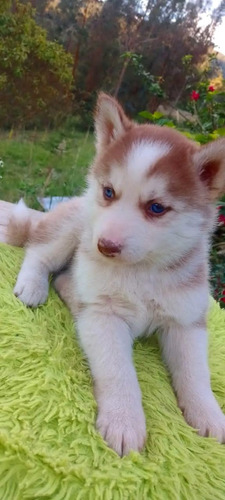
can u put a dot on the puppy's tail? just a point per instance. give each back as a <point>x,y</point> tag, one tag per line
<point>17,223</point>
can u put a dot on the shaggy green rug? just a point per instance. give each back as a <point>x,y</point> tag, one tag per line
<point>49,448</point>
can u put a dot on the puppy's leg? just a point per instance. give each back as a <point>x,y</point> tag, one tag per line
<point>185,352</point>
<point>107,342</point>
<point>32,282</point>
<point>51,244</point>
<point>63,285</point>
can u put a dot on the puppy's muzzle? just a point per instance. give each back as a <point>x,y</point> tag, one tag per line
<point>109,248</point>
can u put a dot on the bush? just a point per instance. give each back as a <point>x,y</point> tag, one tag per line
<point>35,74</point>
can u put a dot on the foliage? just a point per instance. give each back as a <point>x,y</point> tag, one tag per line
<point>35,73</point>
<point>204,102</point>
<point>98,33</point>
<point>209,109</point>
<point>127,47</point>
<point>218,259</point>
<point>151,84</point>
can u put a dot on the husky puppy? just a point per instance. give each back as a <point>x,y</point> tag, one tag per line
<point>137,242</point>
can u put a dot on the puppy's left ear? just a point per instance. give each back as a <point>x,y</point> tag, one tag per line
<point>210,162</point>
<point>110,121</point>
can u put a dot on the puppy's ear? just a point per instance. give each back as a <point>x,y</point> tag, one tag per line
<point>110,121</point>
<point>210,162</point>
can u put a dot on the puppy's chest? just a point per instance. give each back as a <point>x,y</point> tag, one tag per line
<point>131,294</point>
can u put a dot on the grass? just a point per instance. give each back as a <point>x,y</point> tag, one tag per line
<point>54,163</point>
<point>49,163</point>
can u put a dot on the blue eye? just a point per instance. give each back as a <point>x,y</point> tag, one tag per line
<point>108,193</point>
<point>155,208</point>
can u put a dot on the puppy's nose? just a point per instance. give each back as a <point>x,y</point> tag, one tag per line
<point>108,248</point>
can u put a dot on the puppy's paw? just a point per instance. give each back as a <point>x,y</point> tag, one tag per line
<point>31,288</point>
<point>123,430</point>
<point>207,418</point>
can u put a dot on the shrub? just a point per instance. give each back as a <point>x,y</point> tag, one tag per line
<point>35,74</point>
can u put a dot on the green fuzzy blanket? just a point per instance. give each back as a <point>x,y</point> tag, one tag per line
<point>49,448</point>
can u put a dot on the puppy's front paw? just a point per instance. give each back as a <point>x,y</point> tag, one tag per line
<point>123,429</point>
<point>207,418</point>
<point>31,288</point>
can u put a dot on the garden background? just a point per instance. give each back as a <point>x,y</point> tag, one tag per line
<point>156,56</point>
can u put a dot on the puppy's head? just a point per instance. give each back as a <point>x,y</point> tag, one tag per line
<point>151,190</point>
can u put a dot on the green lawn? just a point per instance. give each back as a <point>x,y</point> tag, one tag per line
<point>49,163</point>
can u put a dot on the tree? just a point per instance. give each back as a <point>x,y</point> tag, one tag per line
<point>36,74</point>
<point>172,28</point>
<point>153,33</point>
<point>98,34</point>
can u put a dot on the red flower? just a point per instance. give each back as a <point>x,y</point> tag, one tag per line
<point>195,95</point>
<point>221,219</point>
<point>223,298</point>
<point>211,88</point>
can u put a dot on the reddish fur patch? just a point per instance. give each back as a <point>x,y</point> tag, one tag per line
<point>52,222</point>
<point>176,165</point>
<point>182,180</point>
<point>18,235</point>
<point>19,232</point>
<point>107,109</point>
<point>196,174</point>
<point>210,164</point>
<point>209,170</point>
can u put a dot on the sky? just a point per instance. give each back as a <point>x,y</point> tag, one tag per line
<point>219,37</point>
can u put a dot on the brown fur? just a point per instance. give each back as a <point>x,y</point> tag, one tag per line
<point>105,128</point>
<point>176,162</point>
<point>210,164</point>
<point>17,233</point>
<point>52,223</point>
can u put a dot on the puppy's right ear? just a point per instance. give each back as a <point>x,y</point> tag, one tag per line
<point>210,163</point>
<point>110,121</point>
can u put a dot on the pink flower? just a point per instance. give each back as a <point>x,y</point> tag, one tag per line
<point>211,88</point>
<point>195,95</point>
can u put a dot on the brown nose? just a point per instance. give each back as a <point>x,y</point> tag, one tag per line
<point>108,248</point>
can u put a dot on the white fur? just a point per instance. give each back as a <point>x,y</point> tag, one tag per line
<point>21,211</point>
<point>32,282</point>
<point>133,293</point>
<point>185,352</point>
<point>122,222</point>
<point>143,155</point>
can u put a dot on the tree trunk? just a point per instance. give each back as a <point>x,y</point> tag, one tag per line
<point>121,76</point>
